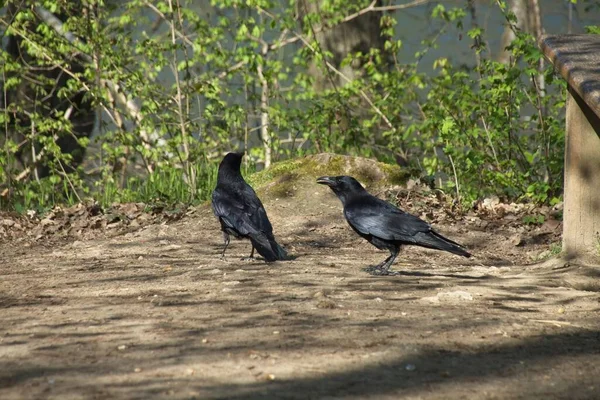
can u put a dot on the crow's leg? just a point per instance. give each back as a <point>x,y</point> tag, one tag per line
<point>226,240</point>
<point>250,257</point>
<point>383,268</point>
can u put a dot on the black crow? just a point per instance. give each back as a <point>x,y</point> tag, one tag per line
<point>240,211</point>
<point>384,225</point>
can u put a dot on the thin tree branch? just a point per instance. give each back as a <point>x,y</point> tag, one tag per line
<point>455,177</point>
<point>165,19</point>
<point>361,91</point>
<point>373,8</point>
<point>179,102</point>
<point>281,42</point>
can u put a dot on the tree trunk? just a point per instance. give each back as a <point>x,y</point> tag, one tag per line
<point>521,10</point>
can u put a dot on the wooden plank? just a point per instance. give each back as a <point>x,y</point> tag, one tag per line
<point>577,59</point>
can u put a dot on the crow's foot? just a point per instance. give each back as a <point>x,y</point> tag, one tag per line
<point>378,271</point>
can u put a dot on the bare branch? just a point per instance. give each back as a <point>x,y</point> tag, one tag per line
<point>457,186</point>
<point>489,137</point>
<point>414,3</point>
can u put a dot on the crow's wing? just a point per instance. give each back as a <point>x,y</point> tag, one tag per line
<point>241,210</point>
<point>375,217</point>
<point>257,212</point>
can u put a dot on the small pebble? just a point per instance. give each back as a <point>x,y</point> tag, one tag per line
<point>122,347</point>
<point>410,367</point>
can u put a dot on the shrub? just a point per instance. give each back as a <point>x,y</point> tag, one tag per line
<point>176,88</point>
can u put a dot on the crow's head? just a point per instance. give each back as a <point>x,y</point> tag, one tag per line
<point>343,186</point>
<point>233,158</point>
<point>230,166</point>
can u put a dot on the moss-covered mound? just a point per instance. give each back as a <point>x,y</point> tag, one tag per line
<point>285,178</point>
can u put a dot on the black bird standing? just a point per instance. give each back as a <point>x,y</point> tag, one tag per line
<point>384,225</point>
<point>240,211</point>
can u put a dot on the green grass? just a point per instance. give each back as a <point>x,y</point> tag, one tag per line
<point>555,249</point>
<point>166,186</point>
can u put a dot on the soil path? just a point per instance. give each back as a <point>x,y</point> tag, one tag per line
<point>155,314</point>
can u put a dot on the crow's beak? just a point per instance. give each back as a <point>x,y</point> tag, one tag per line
<point>326,180</point>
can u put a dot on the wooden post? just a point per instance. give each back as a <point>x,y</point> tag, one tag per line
<point>581,226</point>
<point>576,58</point>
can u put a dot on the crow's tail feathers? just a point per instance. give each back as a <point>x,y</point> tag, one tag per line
<point>268,248</point>
<point>277,249</point>
<point>434,240</point>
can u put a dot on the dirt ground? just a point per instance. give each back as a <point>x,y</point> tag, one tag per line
<point>154,313</point>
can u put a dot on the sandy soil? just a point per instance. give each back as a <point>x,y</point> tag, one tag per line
<point>154,313</point>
